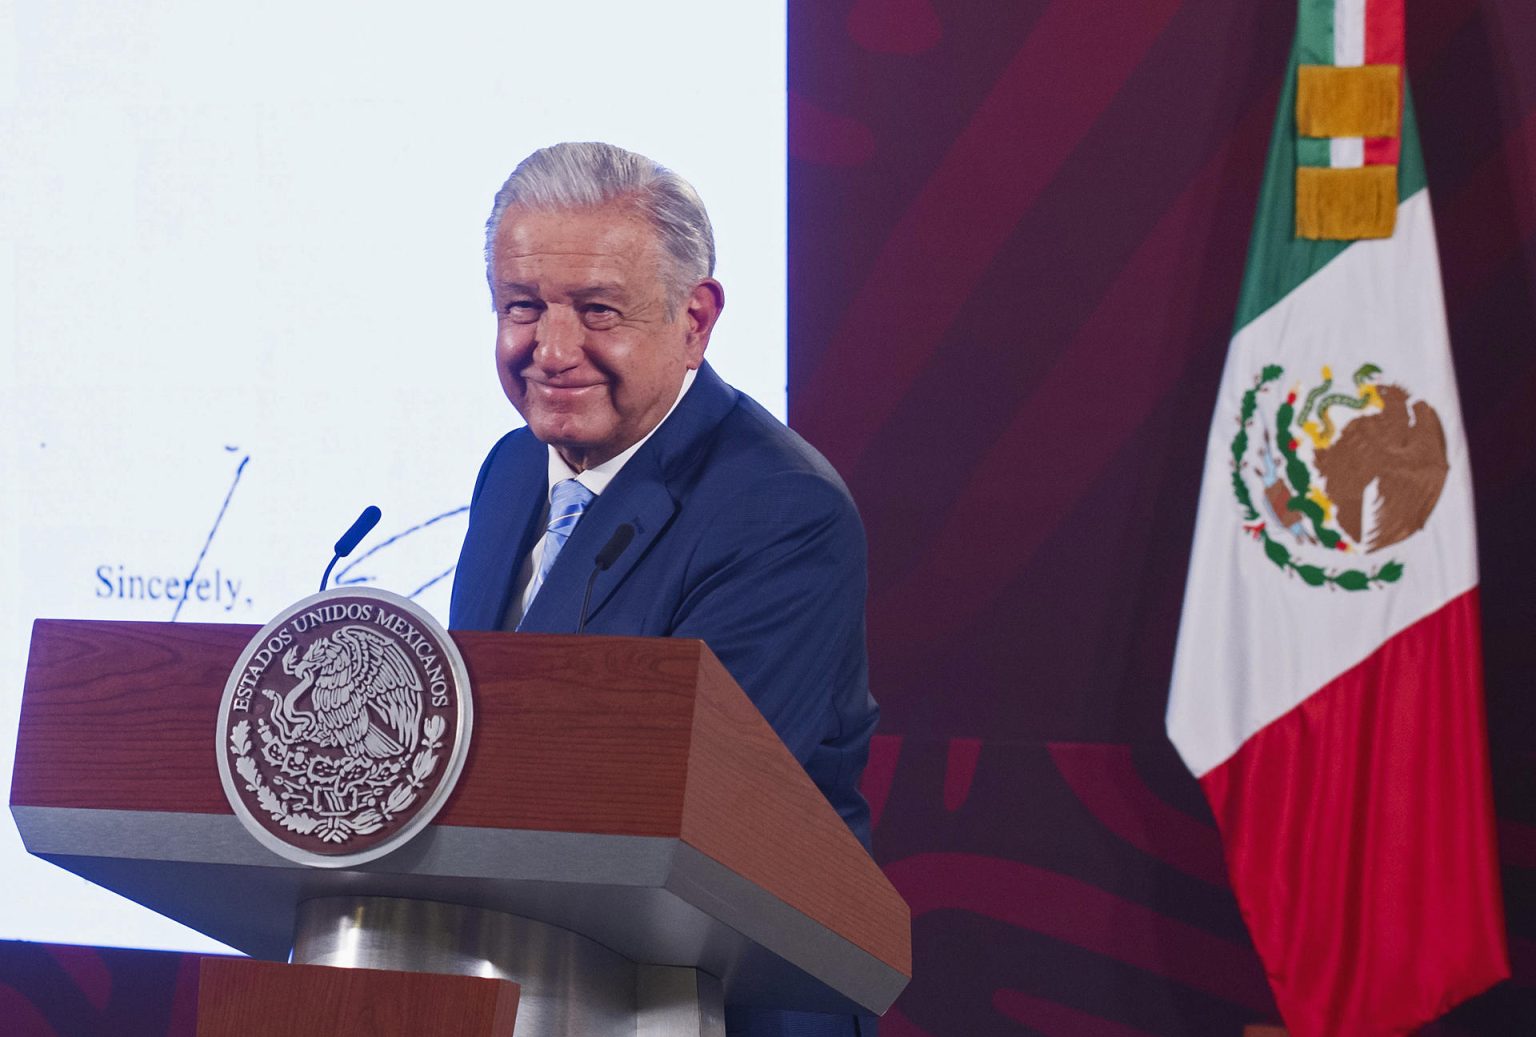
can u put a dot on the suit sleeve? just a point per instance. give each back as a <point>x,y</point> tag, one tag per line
<point>456,604</point>
<point>776,589</point>
<point>485,469</point>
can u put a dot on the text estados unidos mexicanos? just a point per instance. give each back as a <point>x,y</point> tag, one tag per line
<point>414,641</point>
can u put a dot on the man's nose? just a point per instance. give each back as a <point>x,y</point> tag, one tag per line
<point>558,345</point>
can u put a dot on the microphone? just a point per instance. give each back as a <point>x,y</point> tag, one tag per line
<point>350,539</point>
<point>602,563</point>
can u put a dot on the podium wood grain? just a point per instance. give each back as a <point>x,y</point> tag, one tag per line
<point>805,854</point>
<point>239,997</point>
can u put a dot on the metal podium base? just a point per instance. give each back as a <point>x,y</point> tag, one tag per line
<point>571,986</point>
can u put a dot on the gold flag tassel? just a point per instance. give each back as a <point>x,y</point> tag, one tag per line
<point>1362,101</point>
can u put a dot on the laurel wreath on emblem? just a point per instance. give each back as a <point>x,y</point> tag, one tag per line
<point>1299,477</point>
<point>396,794</point>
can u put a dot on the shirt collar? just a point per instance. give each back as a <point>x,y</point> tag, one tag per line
<point>598,477</point>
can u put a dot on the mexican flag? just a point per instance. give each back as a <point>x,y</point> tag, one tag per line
<point>1327,687</point>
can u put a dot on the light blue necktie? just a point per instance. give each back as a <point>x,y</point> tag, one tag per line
<point>566,503</point>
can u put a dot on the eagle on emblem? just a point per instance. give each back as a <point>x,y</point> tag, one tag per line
<point>1401,449</point>
<point>364,696</point>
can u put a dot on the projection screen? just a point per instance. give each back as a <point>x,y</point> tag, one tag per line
<point>244,296</point>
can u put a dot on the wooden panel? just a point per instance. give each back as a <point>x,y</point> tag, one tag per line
<point>787,841</point>
<point>123,716</point>
<point>588,740</point>
<point>241,997</point>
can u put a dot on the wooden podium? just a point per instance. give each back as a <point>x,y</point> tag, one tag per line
<point>626,825</point>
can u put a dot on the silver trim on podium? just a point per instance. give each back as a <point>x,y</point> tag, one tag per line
<point>570,984</point>
<point>646,897</point>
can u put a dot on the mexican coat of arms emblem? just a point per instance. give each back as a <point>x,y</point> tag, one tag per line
<point>1328,477</point>
<point>343,727</point>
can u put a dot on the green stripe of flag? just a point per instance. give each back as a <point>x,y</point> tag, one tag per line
<point>1314,31</point>
<point>1314,151</point>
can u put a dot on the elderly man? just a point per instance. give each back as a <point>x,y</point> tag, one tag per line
<point>600,264</point>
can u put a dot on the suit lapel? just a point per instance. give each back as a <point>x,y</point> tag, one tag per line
<point>644,494</point>
<point>511,524</point>
<point>645,504</point>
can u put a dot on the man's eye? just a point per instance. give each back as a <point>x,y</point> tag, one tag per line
<point>596,315</point>
<point>522,311</point>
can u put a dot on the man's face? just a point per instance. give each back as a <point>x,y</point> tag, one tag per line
<point>585,348</point>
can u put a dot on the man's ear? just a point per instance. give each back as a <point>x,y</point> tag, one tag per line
<point>701,312</point>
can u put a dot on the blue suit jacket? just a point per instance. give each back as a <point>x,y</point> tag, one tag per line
<point>745,538</point>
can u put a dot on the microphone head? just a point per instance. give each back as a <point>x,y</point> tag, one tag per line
<point>614,547</point>
<point>365,522</point>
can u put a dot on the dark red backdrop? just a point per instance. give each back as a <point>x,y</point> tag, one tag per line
<point>1017,233</point>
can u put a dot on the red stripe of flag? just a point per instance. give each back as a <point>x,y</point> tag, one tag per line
<point>1359,830</point>
<point>1384,46</point>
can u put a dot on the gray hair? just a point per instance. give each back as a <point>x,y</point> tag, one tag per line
<point>586,175</point>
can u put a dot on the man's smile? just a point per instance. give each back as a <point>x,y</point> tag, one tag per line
<point>561,391</point>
